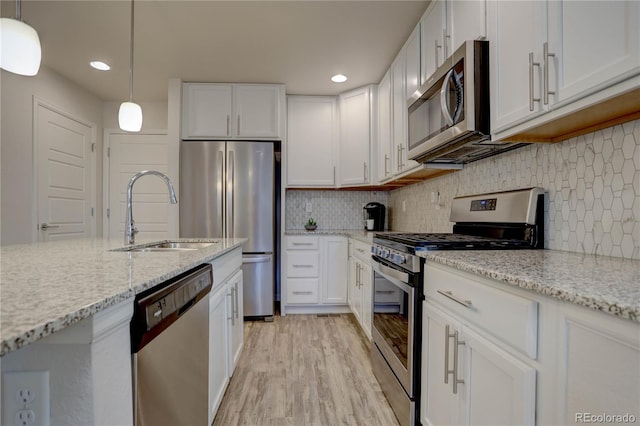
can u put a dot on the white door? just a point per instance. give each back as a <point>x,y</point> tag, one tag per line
<point>335,270</point>
<point>206,108</point>
<point>385,159</point>
<point>256,110</point>
<point>412,62</point>
<point>433,47</point>
<point>64,168</point>
<point>466,20</point>
<point>355,136</point>
<point>127,154</point>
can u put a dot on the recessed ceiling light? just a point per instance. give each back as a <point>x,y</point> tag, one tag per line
<point>99,65</point>
<point>339,78</point>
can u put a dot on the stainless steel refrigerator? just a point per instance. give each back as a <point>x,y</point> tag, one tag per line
<point>228,190</point>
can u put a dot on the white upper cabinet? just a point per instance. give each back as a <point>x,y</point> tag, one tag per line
<point>466,20</point>
<point>517,33</point>
<point>228,111</point>
<point>257,112</point>
<point>556,58</point>
<point>311,141</point>
<point>433,25</point>
<point>412,62</point>
<point>385,126</point>
<point>445,26</point>
<point>399,136</point>
<point>357,108</point>
<point>594,43</point>
<point>206,110</point>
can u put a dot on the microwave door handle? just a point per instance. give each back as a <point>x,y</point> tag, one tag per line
<point>444,103</point>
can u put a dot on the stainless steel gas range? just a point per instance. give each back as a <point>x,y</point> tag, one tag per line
<point>495,221</point>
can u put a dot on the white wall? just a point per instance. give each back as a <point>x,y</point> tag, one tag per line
<point>17,207</point>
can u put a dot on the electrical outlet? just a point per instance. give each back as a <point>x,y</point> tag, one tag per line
<point>25,398</point>
<point>404,206</point>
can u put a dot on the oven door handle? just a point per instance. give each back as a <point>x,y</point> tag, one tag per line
<point>393,275</point>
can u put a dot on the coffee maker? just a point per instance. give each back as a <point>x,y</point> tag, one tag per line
<point>374,211</point>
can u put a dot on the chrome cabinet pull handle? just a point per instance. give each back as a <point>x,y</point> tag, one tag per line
<point>531,65</point>
<point>385,291</point>
<point>231,317</point>
<point>435,51</point>
<point>365,171</point>
<point>547,55</point>
<point>302,244</point>
<point>402,164</point>
<point>450,295</point>
<point>228,119</point>
<point>447,336</point>
<point>302,292</point>
<point>456,381</point>
<point>238,134</point>
<point>386,161</point>
<point>302,266</point>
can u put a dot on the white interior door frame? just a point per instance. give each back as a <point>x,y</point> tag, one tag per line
<point>110,209</point>
<point>37,103</point>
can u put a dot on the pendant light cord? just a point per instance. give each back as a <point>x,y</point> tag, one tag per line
<point>18,10</point>
<point>130,59</point>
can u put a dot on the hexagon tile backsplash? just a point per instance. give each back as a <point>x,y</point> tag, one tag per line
<point>592,184</point>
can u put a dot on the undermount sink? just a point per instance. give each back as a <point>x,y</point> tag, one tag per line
<point>169,246</point>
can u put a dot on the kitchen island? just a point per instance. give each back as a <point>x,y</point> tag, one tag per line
<point>65,313</point>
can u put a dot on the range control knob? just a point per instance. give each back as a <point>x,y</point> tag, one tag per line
<point>400,259</point>
<point>385,253</point>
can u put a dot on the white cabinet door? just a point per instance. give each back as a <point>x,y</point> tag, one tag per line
<point>206,110</point>
<point>256,110</point>
<point>433,43</point>
<point>438,405</point>
<point>399,139</point>
<point>355,136</point>
<point>501,389</point>
<point>595,43</point>
<point>355,294</point>
<point>311,141</point>
<point>366,287</point>
<point>413,64</point>
<point>602,358</point>
<point>218,354</point>
<point>466,20</point>
<point>236,321</point>
<point>517,30</point>
<point>385,157</point>
<point>335,270</point>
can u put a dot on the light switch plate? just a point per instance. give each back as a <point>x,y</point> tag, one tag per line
<point>25,398</point>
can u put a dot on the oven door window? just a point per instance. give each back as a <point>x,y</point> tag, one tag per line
<point>391,313</point>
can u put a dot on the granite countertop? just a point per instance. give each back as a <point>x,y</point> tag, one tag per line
<point>361,235</point>
<point>46,287</point>
<point>606,284</point>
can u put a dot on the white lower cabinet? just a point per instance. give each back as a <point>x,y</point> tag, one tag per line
<point>315,274</point>
<point>235,320</point>
<point>602,358</point>
<point>361,284</point>
<point>226,325</point>
<point>471,375</point>
<point>218,355</point>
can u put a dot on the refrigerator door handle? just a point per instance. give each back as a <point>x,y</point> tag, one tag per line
<point>220,191</point>
<point>256,259</point>
<point>230,195</point>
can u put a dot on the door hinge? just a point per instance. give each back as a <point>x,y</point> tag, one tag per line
<point>92,211</point>
<point>108,213</point>
<point>109,152</point>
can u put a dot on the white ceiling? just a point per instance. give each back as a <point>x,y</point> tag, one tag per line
<point>298,43</point>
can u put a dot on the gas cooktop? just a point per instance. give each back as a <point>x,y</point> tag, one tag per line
<point>411,242</point>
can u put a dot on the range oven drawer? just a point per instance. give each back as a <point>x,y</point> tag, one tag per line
<point>515,322</point>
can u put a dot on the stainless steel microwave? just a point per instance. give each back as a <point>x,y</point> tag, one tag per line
<point>449,116</point>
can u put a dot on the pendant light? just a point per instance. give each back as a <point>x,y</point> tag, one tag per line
<point>130,114</point>
<point>20,51</point>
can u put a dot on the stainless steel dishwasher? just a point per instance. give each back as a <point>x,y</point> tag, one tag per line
<point>170,346</point>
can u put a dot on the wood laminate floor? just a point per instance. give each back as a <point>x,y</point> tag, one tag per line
<point>304,370</point>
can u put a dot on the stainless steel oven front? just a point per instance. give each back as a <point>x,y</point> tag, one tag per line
<point>395,352</point>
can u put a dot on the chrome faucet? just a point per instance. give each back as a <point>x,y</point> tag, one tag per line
<point>130,229</point>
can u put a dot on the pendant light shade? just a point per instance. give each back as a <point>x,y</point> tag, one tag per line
<point>20,51</point>
<point>130,117</point>
<point>130,113</point>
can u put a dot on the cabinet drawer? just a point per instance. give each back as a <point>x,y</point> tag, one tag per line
<point>302,264</point>
<point>385,292</point>
<point>507,316</point>
<point>302,291</point>
<point>362,251</point>
<point>302,243</point>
